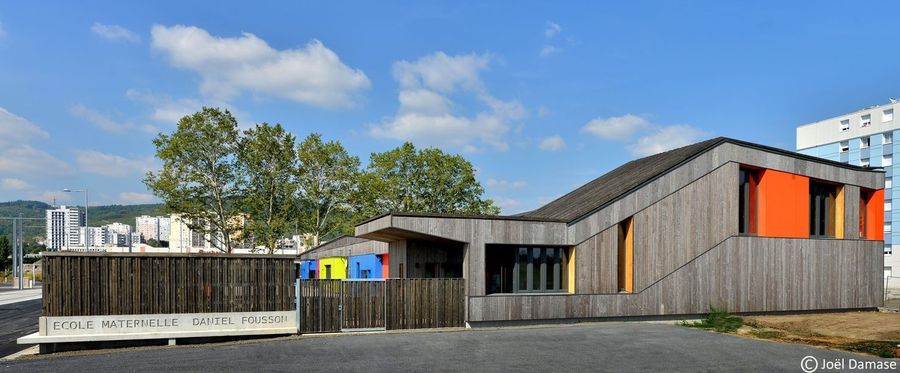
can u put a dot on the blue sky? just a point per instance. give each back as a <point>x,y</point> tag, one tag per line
<point>541,97</point>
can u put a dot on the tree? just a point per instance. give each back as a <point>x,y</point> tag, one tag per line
<point>153,243</point>
<point>5,252</point>
<point>428,180</point>
<point>326,180</point>
<point>267,162</point>
<point>199,175</point>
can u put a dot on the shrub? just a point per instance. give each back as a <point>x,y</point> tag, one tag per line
<point>719,320</point>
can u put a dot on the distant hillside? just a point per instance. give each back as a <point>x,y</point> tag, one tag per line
<point>97,215</point>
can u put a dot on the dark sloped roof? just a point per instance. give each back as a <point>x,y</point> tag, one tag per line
<point>337,242</point>
<point>613,185</point>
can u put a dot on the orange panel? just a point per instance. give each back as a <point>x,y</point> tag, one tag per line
<point>385,266</point>
<point>783,205</point>
<point>875,216</point>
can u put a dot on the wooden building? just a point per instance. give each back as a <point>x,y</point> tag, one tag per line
<point>723,223</point>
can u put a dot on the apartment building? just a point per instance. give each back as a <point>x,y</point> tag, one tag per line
<point>64,227</point>
<point>863,138</point>
<point>153,227</point>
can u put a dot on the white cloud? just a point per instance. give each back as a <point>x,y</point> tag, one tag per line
<point>427,113</point>
<point>508,205</point>
<point>312,74</point>
<point>502,185</point>
<point>106,122</point>
<point>115,33</point>
<point>552,29</point>
<point>666,138</point>
<point>165,108</point>
<point>548,50</point>
<point>552,143</point>
<point>134,198</point>
<point>92,161</point>
<point>17,156</point>
<point>616,128</point>
<point>652,138</point>
<point>13,184</point>
<point>16,130</point>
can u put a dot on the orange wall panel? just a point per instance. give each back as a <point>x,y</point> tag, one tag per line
<point>875,216</point>
<point>783,209</point>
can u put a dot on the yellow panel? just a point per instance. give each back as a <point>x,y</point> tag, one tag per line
<point>570,286</point>
<point>629,256</point>
<point>839,213</point>
<point>338,267</point>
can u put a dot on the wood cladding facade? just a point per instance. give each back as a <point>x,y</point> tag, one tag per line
<point>688,254</point>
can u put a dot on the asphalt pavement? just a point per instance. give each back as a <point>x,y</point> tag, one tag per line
<point>613,347</point>
<point>17,319</point>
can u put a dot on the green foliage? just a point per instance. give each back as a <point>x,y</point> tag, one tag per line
<point>327,185</point>
<point>885,349</point>
<point>267,164</point>
<point>409,180</point>
<point>153,242</point>
<point>199,178</point>
<point>719,320</point>
<point>5,252</point>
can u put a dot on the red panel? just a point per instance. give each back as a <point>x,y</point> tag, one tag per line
<point>875,216</point>
<point>385,266</point>
<point>783,205</point>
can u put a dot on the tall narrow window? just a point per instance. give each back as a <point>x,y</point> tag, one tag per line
<point>747,205</point>
<point>822,209</point>
<point>887,115</point>
<point>887,138</point>
<point>328,271</point>
<point>625,257</point>
<point>865,142</point>
<point>864,196</point>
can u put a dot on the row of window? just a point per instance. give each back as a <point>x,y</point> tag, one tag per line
<point>886,161</point>
<point>822,206</point>
<point>865,120</point>
<point>865,142</point>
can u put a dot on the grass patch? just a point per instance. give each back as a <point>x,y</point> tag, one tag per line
<point>767,333</point>
<point>719,320</point>
<point>878,348</point>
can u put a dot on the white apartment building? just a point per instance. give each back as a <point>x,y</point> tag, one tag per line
<point>117,234</point>
<point>864,138</point>
<point>64,227</point>
<point>153,227</point>
<point>98,236</point>
<point>184,240</point>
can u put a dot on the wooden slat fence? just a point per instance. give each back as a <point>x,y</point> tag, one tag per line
<point>82,284</point>
<point>363,304</point>
<point>320,306</point>
<point>425,303</point>
<point>390,304</point>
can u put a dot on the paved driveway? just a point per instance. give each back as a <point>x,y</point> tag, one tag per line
<point>614,347</point>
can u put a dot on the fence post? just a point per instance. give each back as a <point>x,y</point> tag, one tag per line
<point>297,303</point>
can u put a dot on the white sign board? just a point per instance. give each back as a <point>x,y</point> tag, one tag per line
<point>161,326</point>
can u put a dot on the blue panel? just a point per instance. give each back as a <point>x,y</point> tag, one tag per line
<point>361,263</point>
<point>308,269</point>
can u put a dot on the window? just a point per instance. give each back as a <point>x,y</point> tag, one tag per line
<point>887,205</point>
<point>864,162</point>
<point>887,138</point>
<point>888,183</point>
<point>887,160</point>
<point>517,269</point>
<point>845,146</point>
<point>625,257</point>
<point>864,196</point>
<point>887,227</point>
<point>888,250</point>
<point>328,271</point>
<point>887,115</point>
<point>864,142</point>
<point>822,198</point>
<point>865,120</point>
<point>845,125</point>
<point>749,180</point>
<point>365,273</point>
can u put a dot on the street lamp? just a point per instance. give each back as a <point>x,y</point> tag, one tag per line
<point>87,230</point>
